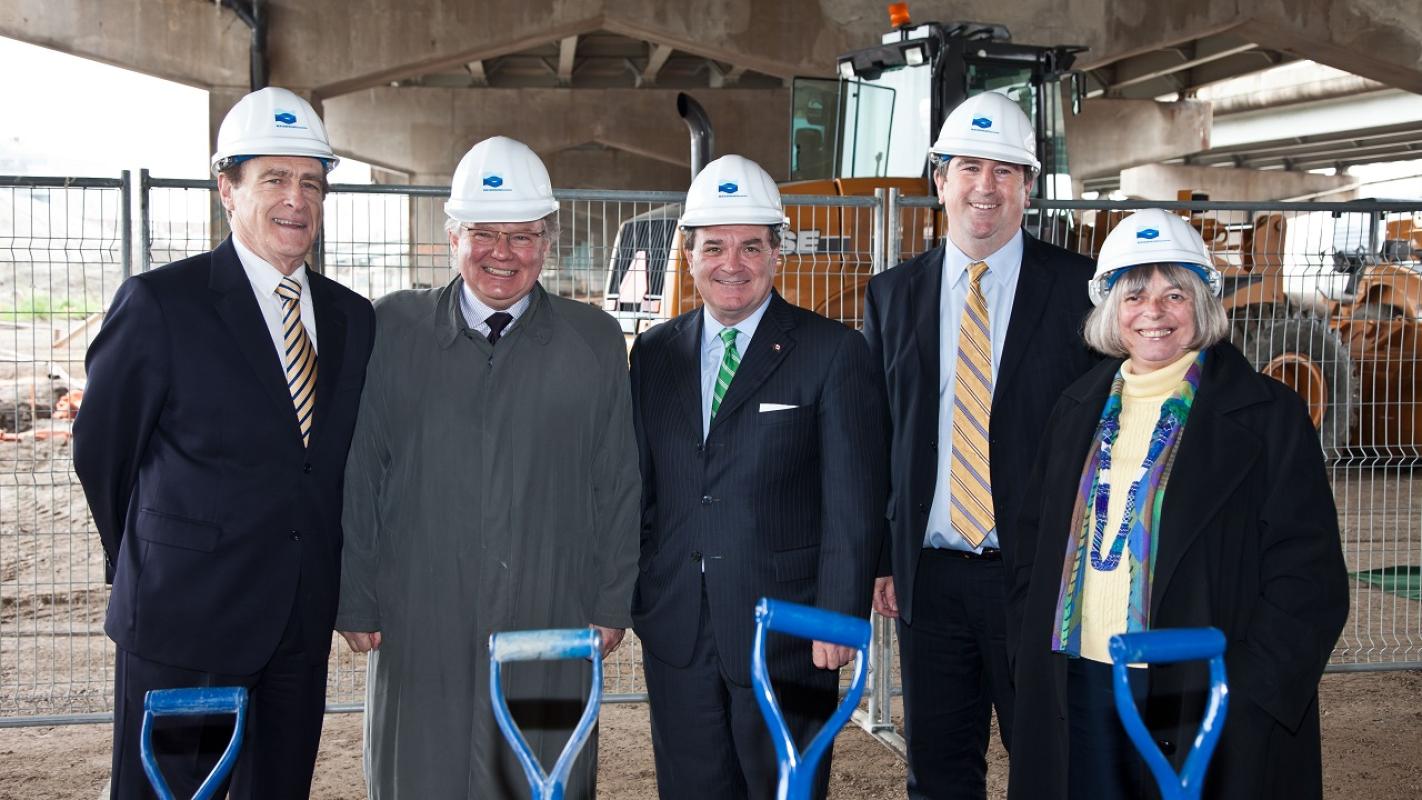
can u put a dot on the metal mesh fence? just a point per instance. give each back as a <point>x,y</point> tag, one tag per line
<point>1327,298</point>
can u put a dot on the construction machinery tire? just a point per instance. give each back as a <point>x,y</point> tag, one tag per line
<point>1306,356</point>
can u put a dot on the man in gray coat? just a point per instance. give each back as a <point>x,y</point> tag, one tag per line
<point>492,486</point>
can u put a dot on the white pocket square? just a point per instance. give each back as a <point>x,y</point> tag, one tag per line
<point>764,407</point>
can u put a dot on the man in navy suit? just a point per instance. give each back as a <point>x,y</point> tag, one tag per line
<point>221,398</point>
<point>952,516</point>
<point>759,426</point>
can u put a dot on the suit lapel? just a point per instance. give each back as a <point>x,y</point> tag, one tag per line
<point>684,369</point>
<point>1034,285</point>
<point>237,306</point>
<point>768,348</point>
<point>927,291</point>
<point>331,338</point>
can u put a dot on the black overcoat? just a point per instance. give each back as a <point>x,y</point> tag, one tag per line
<point>1248,543</point>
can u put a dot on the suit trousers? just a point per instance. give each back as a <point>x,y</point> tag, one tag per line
<point>954,666</point>
<point>285,708</point>
<point>709,739</point>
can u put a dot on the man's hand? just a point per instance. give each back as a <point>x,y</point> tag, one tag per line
<point>361,642</point>
<point>611,638</point>
<point>886,602</point>
<point>832,656</point>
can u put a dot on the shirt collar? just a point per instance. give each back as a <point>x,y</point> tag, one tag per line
<point>263,276</point>
<point>712,327</point>
<point>477,311</point>
<point>1003,265</point>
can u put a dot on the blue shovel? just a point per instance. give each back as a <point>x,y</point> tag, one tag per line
<point>552,645</point>
<point>797,770</point>
<point>1170,647</point>
<point>197,701</point>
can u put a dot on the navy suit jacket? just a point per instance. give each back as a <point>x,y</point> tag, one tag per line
<point>786,504</point>
<point>215,521</point>
<point>1043,354</point>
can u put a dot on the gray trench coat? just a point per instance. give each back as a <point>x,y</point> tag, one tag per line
<point>488,489</point>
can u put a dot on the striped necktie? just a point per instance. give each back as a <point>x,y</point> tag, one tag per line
<point>300,356</point>
<point>971,512</point>
<point>730,360</point>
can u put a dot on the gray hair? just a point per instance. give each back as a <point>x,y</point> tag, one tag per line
<point>1102,330</point>
<point>550,226</point>
<point>688,237</point>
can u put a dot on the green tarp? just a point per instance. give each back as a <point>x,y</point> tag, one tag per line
<point>1401,580</point>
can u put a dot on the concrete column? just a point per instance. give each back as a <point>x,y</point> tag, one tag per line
<point>1110,135</point>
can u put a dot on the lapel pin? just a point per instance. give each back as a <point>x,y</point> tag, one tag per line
<point>775,347</point>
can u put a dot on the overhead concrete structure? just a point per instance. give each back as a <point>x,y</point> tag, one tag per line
<point>1163,182</point>
<point>406,85</point>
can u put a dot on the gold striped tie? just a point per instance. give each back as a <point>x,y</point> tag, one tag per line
<point>971,511</point>
<point>300,356</point>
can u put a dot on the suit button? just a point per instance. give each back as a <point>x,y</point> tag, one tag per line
<point>295,536</point>
<point>695,555</point>
<point>922,509</point>
<point>933,445</point>
<point>706,499</point>
<point>700,447</point>
<point>306,468</point>
<point>1167,747</point>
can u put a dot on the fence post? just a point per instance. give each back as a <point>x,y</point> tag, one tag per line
<point>895,227</point>
<point>126,220</point>
<point>145,222</point>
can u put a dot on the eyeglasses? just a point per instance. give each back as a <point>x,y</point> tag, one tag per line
<point>518,240</point>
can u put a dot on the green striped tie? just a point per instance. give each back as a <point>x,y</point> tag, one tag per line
<point>729,361</point>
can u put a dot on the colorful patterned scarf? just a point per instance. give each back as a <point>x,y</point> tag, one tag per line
<point>1086,543</point>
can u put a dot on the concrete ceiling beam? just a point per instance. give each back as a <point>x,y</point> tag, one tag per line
<point>656,59</point>
<point>567,48</point>
<point>1148,67</point>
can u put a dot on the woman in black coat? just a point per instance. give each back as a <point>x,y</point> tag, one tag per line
<point>1237,530</point>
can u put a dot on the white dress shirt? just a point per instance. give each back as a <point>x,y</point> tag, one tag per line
<point>999,286</point>
<point>476,312</point>
<point>713,349</point>
<point>264,279</point>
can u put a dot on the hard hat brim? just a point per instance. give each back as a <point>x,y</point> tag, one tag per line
<point>499,212</point>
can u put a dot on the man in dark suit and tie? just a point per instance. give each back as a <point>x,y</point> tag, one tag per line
<point>759,426</point>
<point>975,339</point>
<point>221,398</point>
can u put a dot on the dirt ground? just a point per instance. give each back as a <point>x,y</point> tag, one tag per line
<point>1372,749</point>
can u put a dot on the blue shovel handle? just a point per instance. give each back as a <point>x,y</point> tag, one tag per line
<point>797,770</point>
<point>1170,647</point>
<point>197,701</point>
<point>549,645</point>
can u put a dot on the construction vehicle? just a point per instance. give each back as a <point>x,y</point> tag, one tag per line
<point>870,130</point>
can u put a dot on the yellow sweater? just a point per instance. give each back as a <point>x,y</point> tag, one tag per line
<point>1106,596</point>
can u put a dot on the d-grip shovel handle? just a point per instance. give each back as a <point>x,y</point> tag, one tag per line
<point>1171,647</point>
<point>196,701</point>
<point>549,645</point>
<point>797,770</point>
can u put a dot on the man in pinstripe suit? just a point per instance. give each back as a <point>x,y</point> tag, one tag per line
<point>759,426</point>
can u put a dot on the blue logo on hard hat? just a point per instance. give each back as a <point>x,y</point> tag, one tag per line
<point>285,117</point>
<point>493,181</point>
<point>982,122</point>
<point>1147,234</point>
<point>727,187</point>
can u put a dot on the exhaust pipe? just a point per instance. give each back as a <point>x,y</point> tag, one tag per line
<point>703,139</point>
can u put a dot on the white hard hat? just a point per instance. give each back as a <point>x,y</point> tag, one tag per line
<point>272,122</point>
<point>500,180</point>
<point>732,190</point>
<point>1151,236</point>
<point>988,125</point>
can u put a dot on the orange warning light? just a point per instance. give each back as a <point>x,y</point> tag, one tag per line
<point>899,15</point>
